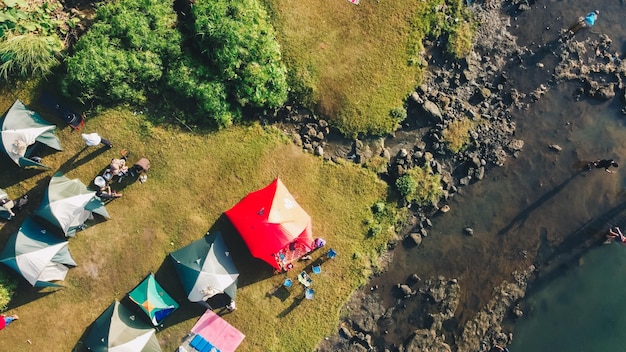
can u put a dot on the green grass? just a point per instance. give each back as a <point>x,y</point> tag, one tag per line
<point>355,64</point>
<point>194,178</point>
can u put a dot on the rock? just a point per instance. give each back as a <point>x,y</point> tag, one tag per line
<point>406,290</point>
<point>444,209</point>
<point>469,231</point>
<point>416,238</point>
<point>427,340</point>
<point>319,151</point>
<point>432,110</point>
<point>465,180</point>
<point>515,145</point>
<point>555,147</point>
<point>345,333</point>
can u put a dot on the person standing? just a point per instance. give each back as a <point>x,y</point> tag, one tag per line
<point>93,139</point>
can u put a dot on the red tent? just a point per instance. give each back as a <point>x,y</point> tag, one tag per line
<point>273,225</point>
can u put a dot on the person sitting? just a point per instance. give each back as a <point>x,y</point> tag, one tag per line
<point>118,167</point>
<point>105,193</point>
<point>7,205</point>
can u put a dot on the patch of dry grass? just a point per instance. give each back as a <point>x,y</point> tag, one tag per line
<point>353,57</point>
<point>194,178</point>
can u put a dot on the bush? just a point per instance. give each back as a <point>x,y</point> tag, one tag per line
<point>7,289</point>
<point>191,80</point>
<point>419,185</point>
<point>123,56</point>
<point>456,135</point>
<point>237,37</point>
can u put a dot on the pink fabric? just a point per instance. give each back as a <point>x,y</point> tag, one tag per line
<point>218,332</point>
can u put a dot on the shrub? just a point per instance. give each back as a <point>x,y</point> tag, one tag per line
<point>456,135</point>
<point>123,56</point>
<point>237,37</point>
<point>460,41</point>
<point>7,289</point>
<point>419,185</point>
<point>191,80</point>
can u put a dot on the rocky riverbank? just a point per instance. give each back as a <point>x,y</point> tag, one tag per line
<point>477,88</point>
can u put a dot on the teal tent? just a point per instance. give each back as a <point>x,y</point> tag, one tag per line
<point>117,329</point>
<point>67,204</point>
<point>40,257</point>
<point>205,268</point>
<point>21,130</point>
<point>153,300</point>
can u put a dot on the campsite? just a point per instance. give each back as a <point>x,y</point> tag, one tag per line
<point>194,179</point>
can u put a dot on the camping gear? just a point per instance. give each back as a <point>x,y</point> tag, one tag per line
<point>67,204</point>
<point>305,279</point>
<point>37,255</point>
<point>211,331</point>
<point>317,269</point>
<point>74,120</point>
<point>22,131</point>
<point>309,293</point>
<point>288,283</point>
<point>205,268</point>
<point>153,300</point>
<point>100,181</point>
<point>141,166</point>
<point>273,225</point>
<point>117,329</point>
<point>331,254</point>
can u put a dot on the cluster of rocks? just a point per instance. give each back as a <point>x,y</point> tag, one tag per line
<point>428,305</point>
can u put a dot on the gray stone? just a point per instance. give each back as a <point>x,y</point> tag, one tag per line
<point>433,111</point>
<point>469,231</point>
<point>416,238</point>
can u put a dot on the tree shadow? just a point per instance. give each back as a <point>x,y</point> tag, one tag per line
<point>519,220</point>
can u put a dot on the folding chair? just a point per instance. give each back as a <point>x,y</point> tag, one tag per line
<point>287,283</point>
<point>309,293</point>
<point>331,254</point>
<point>317,269</point>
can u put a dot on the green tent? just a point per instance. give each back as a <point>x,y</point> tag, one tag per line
<point>21,130</point>
<point>67,204</point>
<point>153,300</point>
<point>37,255</point>
<point>118,329</point>
<point>205,268</point>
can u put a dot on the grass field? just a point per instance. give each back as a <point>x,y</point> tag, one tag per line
<point>194,178</point>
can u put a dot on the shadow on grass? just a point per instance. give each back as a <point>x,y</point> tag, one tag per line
<point>296,302</point>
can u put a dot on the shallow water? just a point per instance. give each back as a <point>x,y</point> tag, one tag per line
<point>538,206</point>
<point>583,310</point>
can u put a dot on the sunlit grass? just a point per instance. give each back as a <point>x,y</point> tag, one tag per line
<point>194,178</point>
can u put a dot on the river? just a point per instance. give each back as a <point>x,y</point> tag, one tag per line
<point>539,208</point>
